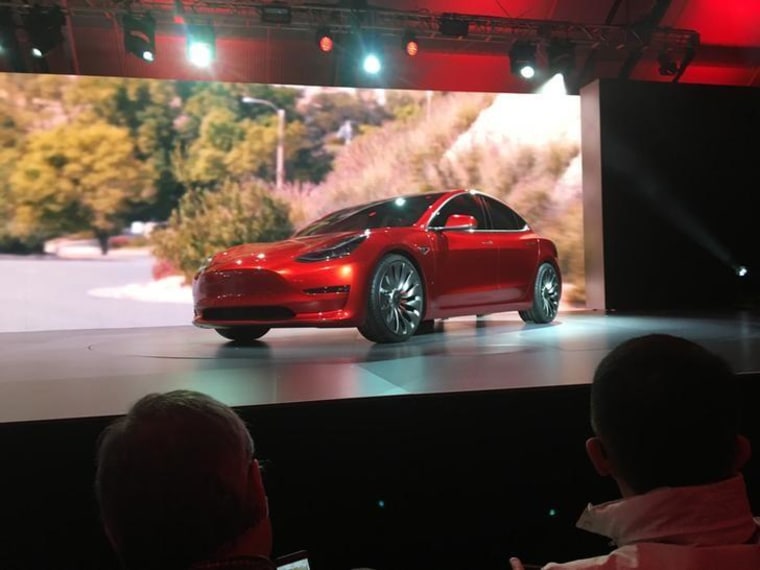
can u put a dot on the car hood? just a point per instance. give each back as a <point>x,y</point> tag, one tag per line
<point>266,254</point>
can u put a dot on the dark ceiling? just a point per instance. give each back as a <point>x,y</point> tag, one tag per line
<point>711,41</point>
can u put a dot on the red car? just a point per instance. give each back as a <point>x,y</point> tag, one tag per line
<point>388,268</point>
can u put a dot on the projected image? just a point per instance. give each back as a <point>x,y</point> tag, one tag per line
<point>114,190</point>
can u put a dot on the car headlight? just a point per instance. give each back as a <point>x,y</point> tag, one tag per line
<point>334,251</point>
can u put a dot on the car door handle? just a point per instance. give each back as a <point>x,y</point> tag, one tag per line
<point>487,242</point>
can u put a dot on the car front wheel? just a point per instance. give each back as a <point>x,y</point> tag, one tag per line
<point>547,290</point>
<point>396,301</point>
<point>243,334</point>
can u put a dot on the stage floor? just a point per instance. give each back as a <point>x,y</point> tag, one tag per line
<point>69,374</point>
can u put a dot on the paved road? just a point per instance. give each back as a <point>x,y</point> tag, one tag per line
<point>47,293</point>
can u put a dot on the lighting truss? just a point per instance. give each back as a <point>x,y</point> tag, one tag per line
<point>485,33</point>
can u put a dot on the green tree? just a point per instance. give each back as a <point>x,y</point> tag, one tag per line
<point>9,155</point>
<point>208,221</point>
<point>149,109</point>
<point>221,135</point>
<point>255,155</point>
<point>23,109</point>
<point>201,98</point>
<point>205,162</point>
<point>77,177</point>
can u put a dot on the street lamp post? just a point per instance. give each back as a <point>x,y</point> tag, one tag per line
<point>280,168</point>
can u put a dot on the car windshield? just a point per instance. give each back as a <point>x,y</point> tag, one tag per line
<point>393,213</point>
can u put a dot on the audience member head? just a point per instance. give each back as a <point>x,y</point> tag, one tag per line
<point>665,412</point>
<point>177,483</point>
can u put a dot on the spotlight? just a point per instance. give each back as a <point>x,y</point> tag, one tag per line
<point>522,59</point>
<point>372,64</point>
<point>742,271</point>
<point>140,36</point>
<point>368,53</point>
<point>667,66</point>
<point>528,71</point>
<point>43,27</point>
<point>325,40</point>
<point>453,26</point>
<point>276,13</point>
<point>201,45</point>
<point>410,44</point>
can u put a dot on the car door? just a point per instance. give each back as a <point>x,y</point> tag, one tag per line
<point>467,260</point>
<point>518,250</point>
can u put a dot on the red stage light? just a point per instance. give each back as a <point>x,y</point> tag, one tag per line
<point>410,44</point>
<point>325,43</point>
<point>411,48</point>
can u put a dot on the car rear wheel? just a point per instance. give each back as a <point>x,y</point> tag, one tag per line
<point>547,290</point>
<point>396,301</point>
<point>243,334</point>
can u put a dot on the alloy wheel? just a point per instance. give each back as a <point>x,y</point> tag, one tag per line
<point>400,297</point>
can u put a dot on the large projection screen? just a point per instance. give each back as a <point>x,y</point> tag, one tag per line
<point>94,169</point>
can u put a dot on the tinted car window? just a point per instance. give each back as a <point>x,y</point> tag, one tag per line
<point>502,216</point>
<point>463,204</point>
<point>395,212</point>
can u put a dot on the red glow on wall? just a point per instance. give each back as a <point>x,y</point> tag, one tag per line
<point>719,22</point>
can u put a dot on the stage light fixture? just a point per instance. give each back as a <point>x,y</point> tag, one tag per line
<point>276,13</point>
<point>140,36</point>
<point>201,45</point>
<point>325,40</point>
<point>43,26</point>
<point>667,66</point>
<point>453,26</point>
<point>179,12</point>
<point>410,44</point>
<point>560,57</point>
<point>367,51</point>
<point>522,59</point>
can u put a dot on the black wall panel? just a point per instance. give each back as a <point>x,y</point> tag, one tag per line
<point>679,193</point>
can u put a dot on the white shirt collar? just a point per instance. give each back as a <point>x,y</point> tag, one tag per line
<point>702,515</point>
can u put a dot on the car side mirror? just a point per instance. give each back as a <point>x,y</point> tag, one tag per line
<point>460,222</point>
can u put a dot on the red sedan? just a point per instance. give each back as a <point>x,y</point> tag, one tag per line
<point>387,268</point>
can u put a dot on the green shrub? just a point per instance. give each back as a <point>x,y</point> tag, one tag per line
<point>208,221</point>
<point>14,245</point>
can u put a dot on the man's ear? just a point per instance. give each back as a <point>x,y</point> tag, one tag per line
<point>598,456</point>
<point>257,493</point>
<point>257,538</point>
<point>743,453</point>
